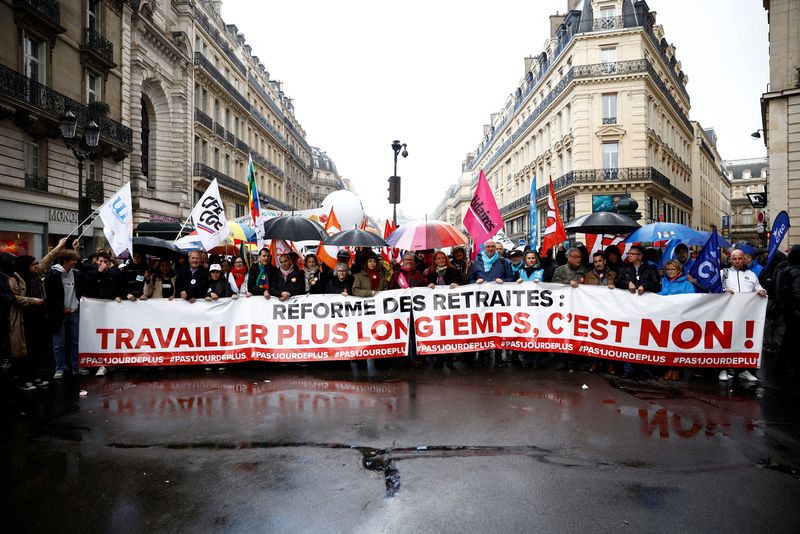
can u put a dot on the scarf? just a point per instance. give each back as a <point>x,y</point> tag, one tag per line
<point>440,272</point>
<point>309,274</point>
<point>488,262</point>
<point>530,274</point>
<point>374,278</point>
<point>515,269</point>
<point>263,276</point>
<point>239,274</point>
<point>601,274</point>
<point>286,272</point>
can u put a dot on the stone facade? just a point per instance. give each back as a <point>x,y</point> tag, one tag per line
<point>746,176</point>
<point>780,108</point>
<point>58,56</point>
<point>604,111</point>
<point>325,179</point>
<point>711,189</point>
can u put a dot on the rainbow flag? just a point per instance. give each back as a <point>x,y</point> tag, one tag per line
<point>252,192</point>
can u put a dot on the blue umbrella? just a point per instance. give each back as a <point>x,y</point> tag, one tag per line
<point>724,243</point>
<point>663,231</point>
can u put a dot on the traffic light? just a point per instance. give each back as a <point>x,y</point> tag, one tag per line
<point>394,190</point>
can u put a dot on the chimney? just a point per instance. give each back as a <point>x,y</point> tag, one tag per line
<point>555,22</point>
<point>528,64</point>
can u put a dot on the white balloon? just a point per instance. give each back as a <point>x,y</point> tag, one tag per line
<point>347,207</point>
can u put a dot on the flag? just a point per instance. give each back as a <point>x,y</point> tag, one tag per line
<point>669,252</point>
<point>482,219</point>
<point>388,253</point>
<point>117,216</point>
<point>779,229</point>
<point>252,192</point>
<point>554,232</point>
<point>599,243</point>
<point>327,255</point>
<point>706,270</point>
<point>244,253</point>
<point>209,218</point>
<point>533,218</point>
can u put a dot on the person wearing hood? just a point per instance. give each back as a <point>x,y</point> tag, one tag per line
<point>460,263</point>
<point>287,280</point>
<point>64,289</point>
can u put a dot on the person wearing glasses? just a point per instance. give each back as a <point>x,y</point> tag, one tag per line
<point>342,281</point>
<point>674,283</point>
<point>637,276</point>
<point>574,271</point>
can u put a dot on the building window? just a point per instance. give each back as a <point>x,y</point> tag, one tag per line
<point>610,109</point>
<point>93,15</point>
<point>34,51</point>
<point>33,151</point>
<point>747,216</point>
<point>611,155</point>
<point>216,158</point>
<point>145,140</point>
<point>567,209</point>
<point>94,85</point>
<point>240,210</point>
<point>608,55</point>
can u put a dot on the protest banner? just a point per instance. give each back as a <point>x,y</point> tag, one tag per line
<point>699,330</point>
<point>677,331</point>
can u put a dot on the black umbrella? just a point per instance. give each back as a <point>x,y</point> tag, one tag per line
<point>356,238</point>
<point>294,228</point>
<point>603,222</point>
<point>153,246</point>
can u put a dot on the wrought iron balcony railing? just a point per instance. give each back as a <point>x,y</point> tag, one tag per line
<point>219,40</point>
<point>211,70</point>
<point>219,130</point>
<point>610,69</point>
<point>203,119</point>
<point>609,120</point>
<point>241,145</point>
<point>52,104</point>
<point>230,138</point>
<point>99,44</point>
<point>607,23</point>
<point>49,9</point>
<point>262,120</point>
<point>36,183</point>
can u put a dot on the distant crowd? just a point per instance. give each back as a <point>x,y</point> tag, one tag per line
<point>35,295</point>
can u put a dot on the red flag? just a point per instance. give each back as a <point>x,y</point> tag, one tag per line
<point>554,232</point>
<point>327,255</point>
<point>482,219</point>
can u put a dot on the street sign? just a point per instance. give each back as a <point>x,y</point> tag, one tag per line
<point>758,200</point>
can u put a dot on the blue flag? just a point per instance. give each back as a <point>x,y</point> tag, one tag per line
<point>779,229</point>
<point>706,270</point>
<point>533,218</point>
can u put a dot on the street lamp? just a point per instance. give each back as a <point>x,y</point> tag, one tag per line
<point>91,136</point>
<point>394,180</point>
<point>757,134</point>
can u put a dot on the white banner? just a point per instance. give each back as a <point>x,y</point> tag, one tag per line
<point>209,219</point>
<point>117,216</point>
<point>677,331</point>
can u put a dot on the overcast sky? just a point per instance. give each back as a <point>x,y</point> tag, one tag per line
<point>365,72</point>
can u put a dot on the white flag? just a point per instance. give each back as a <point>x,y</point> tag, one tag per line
<point>117,216</point>
<point>209,219</point>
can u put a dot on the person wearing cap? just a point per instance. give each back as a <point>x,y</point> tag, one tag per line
<point>218,286</point>
<point>516,257</point>
<point>370,280</point>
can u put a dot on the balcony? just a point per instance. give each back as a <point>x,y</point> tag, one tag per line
<point>212,72</point>
<point>262,120</point>
<point>595,176</point>
<point>219,40</point>
<point>219,130</point>
<point>97,50</point>
<point>41,102</point>
<point>241,145</point>
<point>610,68</point>
<point>203,119</point>
<point>609,120</point>
<point>35,183</point>
<point>94,191</point>
<point>41,15</point>
<point>230,138</point>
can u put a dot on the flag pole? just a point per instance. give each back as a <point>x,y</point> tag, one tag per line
<point>84,222</point>
<point>182,227</point>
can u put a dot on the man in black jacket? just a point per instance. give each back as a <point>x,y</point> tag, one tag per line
<point>637,275</point>
<point>192,283</point>
<point>287,280</point>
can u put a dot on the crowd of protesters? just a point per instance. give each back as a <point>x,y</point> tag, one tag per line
<point>46,294</point>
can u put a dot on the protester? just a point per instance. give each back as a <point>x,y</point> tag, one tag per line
<point>674,283</point>
<point>218,286</point>
<point>613,258</point>
<point>460,263</point>
<point>192,284</point>
<point>287,280</point>
<point>490,266</point>
<point>600,274</point>
<point>408,275</point>
<point>637,276</point>
<point>342,281</point>
<point>739,279</point>
<point>162,284</point>
<point>313,275</point>
<point>20,361</point>
<point>64,288</point>
<point>443,273</point>
<point>133,276</point>
<point>531,270</point>
<point>105,282</point>
<point>683,257</point>
<point>237,278</point>
<point>788,284</point>
<point>573,272</point>
<point>6,303</point>
<point>515,257</point>
<point>370,280</point>
<point>260,276</point>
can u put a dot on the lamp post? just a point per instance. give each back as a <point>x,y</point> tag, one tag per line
<point>394,180</point>
<point>85,149</point>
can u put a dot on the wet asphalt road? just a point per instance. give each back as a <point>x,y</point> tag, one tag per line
<point>321,449</point>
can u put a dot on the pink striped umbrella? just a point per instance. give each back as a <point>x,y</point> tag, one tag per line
<point>424,235</point>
